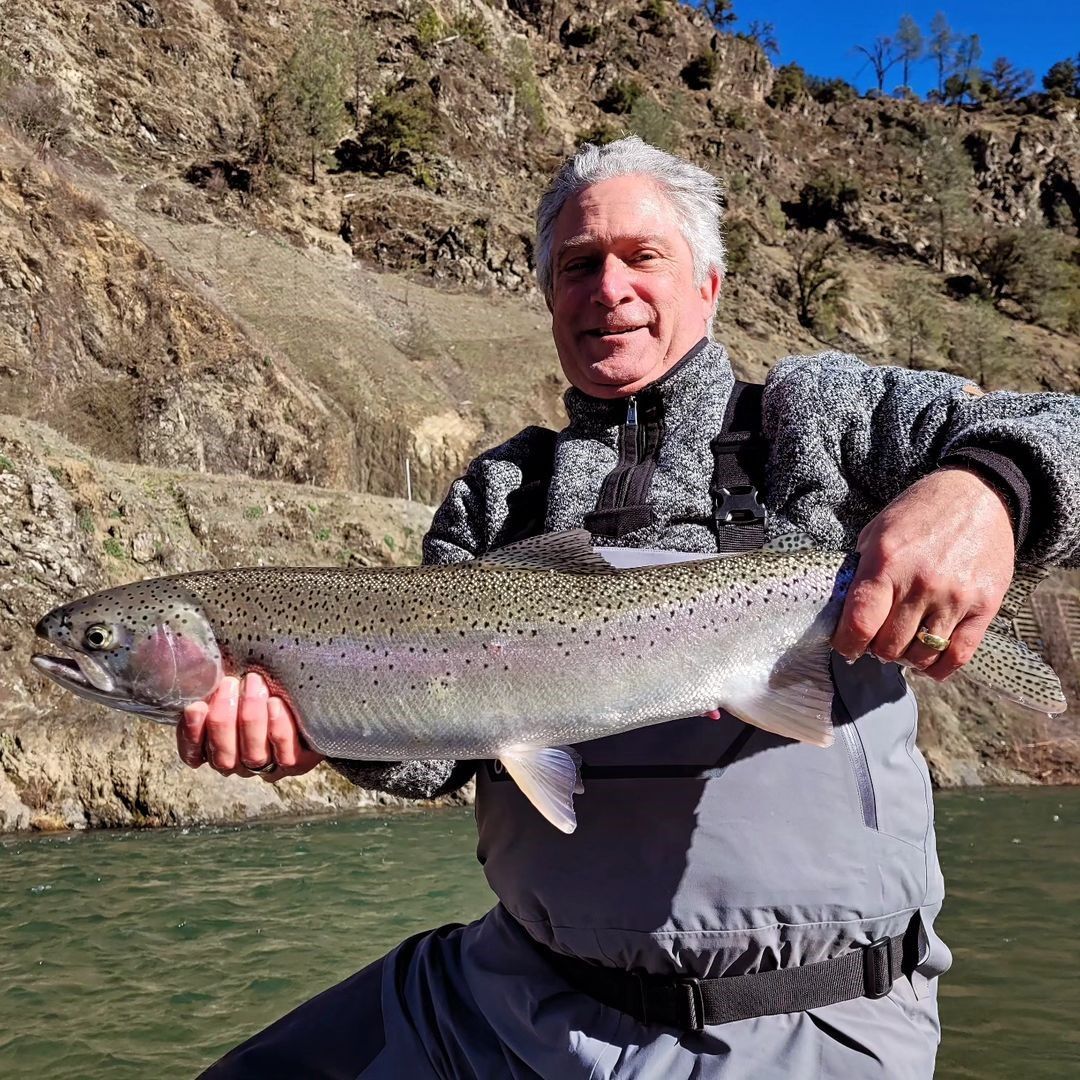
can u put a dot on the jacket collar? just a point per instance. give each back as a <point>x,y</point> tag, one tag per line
<point>672,396</point>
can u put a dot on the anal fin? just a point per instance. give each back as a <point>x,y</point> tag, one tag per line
<point>548,777</point>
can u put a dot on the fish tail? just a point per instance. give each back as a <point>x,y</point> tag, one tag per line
<point>1004,663</point>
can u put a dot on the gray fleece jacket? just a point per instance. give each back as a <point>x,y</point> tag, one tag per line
<point>845,438</point>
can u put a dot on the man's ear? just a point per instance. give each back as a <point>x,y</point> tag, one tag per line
<point>710,288</point>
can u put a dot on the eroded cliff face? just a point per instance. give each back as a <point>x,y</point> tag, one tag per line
<point>207,361</point>
<point>70,525</point>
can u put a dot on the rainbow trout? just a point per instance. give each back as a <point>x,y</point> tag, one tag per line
<point>515,655</point>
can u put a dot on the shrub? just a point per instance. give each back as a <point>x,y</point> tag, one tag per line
<point>398,127</point>
<point>701,72</point>
<point>828,91</point>
<point>599,134</point>
<point>38,109</point>
<point>474,30</point>
<point>526,87</point>
<point>621,97</point>
<point>827,196</point>
<point>788,86</point>
<point>650,121</point>
<point>429,27</point>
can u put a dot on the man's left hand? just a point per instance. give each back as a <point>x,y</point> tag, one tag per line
<point>940,556</point>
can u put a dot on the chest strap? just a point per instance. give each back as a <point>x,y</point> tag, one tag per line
<point>689,1004</point>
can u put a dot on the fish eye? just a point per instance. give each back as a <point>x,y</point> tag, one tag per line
<point>98,637</point>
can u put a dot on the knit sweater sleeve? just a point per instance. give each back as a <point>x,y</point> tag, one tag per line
<point>470,520</point>
<point>847,437</point>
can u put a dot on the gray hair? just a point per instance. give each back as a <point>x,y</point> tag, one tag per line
<point>694,194</point>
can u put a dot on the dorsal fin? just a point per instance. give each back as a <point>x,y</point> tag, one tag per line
<point>790,541</point>
<point>565,552</point>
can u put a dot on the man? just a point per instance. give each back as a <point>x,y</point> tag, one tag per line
<point>706,850</point>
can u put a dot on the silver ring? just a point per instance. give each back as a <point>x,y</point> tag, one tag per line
<point>262,770</point>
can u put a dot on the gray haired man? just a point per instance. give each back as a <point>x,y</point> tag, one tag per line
<point>733,904</point>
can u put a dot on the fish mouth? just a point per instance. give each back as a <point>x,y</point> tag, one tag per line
<point>76,671</point>
<point>88,680</point>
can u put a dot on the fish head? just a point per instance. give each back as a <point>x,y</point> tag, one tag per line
<point>146,648</point>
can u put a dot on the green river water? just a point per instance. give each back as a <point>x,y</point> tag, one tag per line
<point>147,954</point>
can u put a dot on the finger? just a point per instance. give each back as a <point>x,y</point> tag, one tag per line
<point>253,720</point>
<point>965,640</point>
<point>867,606</point>
<point>283,734</point>
<point>896,633</point>
<point>221,742</point>
<point>921,656</point>
<point>189,734</point>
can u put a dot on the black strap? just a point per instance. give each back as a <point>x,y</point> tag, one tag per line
<point>739,457</point>
<point>526,505</point>
<point>689,1004</point>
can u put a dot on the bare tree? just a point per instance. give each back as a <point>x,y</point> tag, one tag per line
<point>764,33</point>
<point>720,13</point>
<point>914,324</point>
<point>882,55</point>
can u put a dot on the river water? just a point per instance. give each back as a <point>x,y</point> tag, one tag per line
<point>147,954</point>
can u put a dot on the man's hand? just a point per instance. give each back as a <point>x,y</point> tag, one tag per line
<point>240,727</point>
<point>938,556</point>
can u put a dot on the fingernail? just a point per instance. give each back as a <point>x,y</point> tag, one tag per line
<point>254,686</point>
<point>849,660</point>
<point>232,688</point>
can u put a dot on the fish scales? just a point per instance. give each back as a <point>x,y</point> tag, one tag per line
<point>381,665</point>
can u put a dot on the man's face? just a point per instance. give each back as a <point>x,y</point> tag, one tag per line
<point>624,306</point>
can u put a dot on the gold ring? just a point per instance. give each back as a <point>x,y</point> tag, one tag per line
<point>932,641</point>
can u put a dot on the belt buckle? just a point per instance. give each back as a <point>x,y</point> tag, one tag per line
<point>691,1005</point>
<point>877,962</point>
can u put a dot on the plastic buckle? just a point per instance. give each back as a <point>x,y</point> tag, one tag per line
<point>878,975</point>
<point>691,1005</point>
<point>738,504</point>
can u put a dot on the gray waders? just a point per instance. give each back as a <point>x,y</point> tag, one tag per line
<point>704,848</point>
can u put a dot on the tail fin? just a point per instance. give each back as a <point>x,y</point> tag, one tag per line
<point>1004,663</point>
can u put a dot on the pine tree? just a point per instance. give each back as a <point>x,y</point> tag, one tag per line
<point>1063,78</point>
<point>909,41</point>
<point>310,88</point>
<point>940,48</point>
<point>913,319</point>
<point>945,180</point>
<point>1006,82</point>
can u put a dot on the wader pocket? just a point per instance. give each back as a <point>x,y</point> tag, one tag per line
<point>848,734</point>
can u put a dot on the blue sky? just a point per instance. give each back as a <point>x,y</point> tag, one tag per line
<point>821,36</point>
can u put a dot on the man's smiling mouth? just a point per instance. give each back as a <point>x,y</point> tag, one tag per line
<point>602,333</point>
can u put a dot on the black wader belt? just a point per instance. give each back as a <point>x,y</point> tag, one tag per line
<point>689,1004</point>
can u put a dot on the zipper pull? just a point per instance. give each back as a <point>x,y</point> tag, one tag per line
<point>631,411</point>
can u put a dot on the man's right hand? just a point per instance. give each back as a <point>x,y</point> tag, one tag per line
<point>241,724</point>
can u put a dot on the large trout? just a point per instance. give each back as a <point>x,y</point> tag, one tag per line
<point>515,655</point>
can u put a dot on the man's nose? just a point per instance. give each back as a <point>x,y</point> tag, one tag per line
<point>613,282</point>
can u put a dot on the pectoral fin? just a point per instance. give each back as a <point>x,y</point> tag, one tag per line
<point>549,778</point>
<point>796,699</point>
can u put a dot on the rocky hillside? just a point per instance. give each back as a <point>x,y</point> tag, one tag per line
<point>207,357</point>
